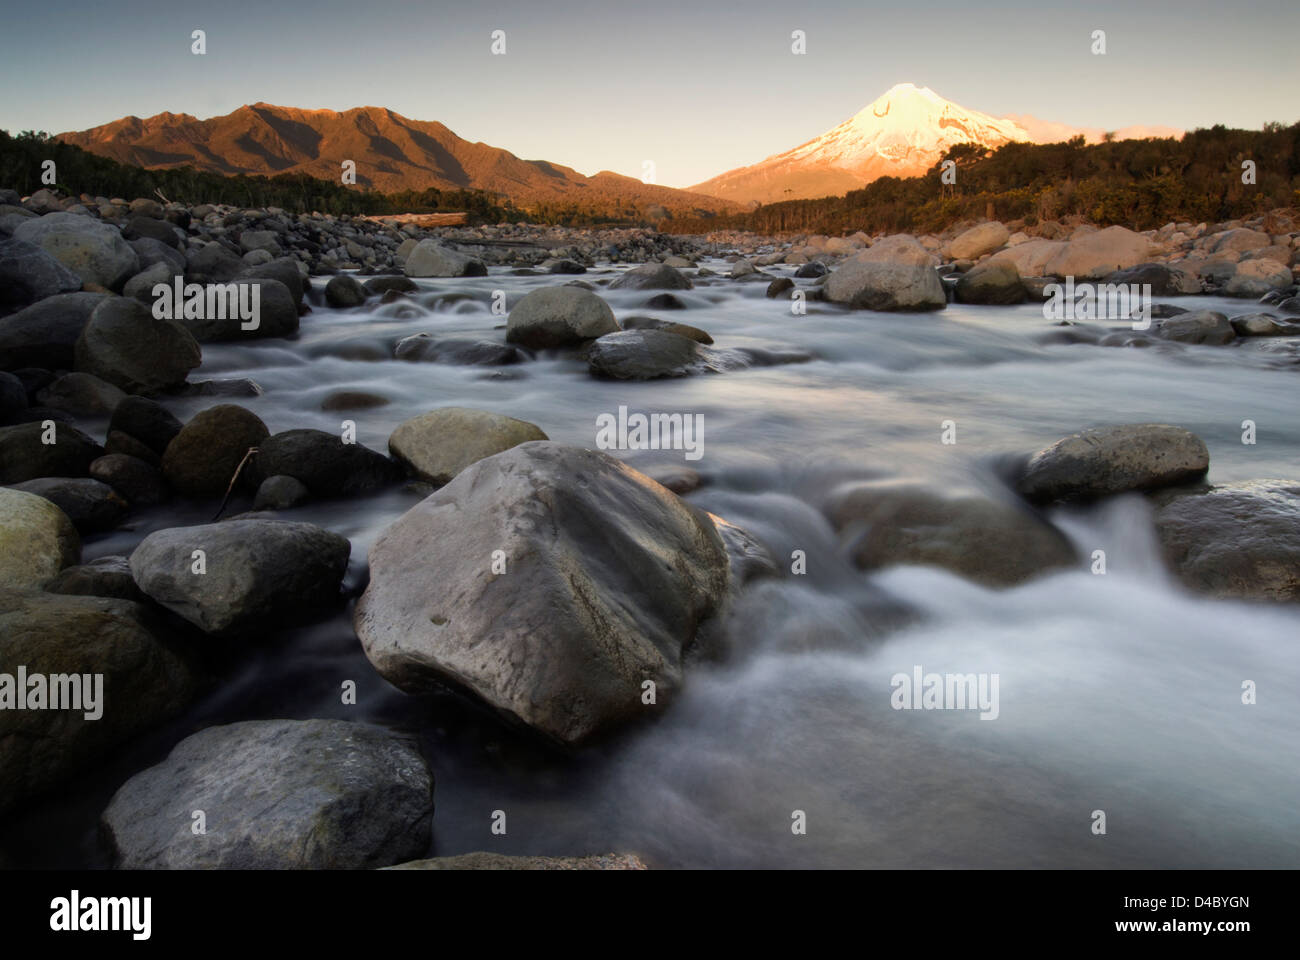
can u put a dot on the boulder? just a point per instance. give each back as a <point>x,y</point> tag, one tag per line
<point>1163,279</point>
<point>1031,258</point>
<point>978,240</point>
<point>1198,326</point>
<point>37,540</point>
<point>888,276</point>
<point>28,274</point>
<point>992,282</point>
<point>46,333</point>
<point>1098,254</point>
<point>668,326</point>
<point>884,523</point>
<point>1254,278</point>
<point>125,344</point>
<point>275,311</point>
<point>202,458</point>
<point>212,263</point>
<point>136,481</point>
<point>81,395</point>
<point>652,276</point>
<point>438,445</point>
<point>1264,325</point>
<point>344,291</point>
<point>92,506</point>
<point>277,795</point>
<point>559,316</point>
<point>609,579</point>
<point>326,465</point>
<point>381,285</point>
<point>147,421</point>
<point>92,249</point>
<point>644,355</point>
<point>280,492</point>
<point>24,454</point>
<point>143,683</point>
<point>259,572</point>
<point>1114,459</point>
<point>431,259</point>
<point>105,577</point>
<point>425,348</point>
<point>1237,540</point>
<point>283,269</point>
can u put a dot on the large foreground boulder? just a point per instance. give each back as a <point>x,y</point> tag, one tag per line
<point>143,683</point>
<point>1236,540</point>
<point>552,582</point>
<point>37,539</point>
<point>124,344</point>
<point>254,572</point>
<point>441,443</point>
<point>559,316</point>
<point>276,795</point>
<point>1115,459</point>
<point>884,523</point>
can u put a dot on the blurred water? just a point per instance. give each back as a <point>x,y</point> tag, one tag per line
<point>1118,693</point>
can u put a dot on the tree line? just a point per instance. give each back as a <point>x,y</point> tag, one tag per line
<point>1206,175</point>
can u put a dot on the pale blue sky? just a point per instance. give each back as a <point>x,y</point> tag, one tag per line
<point>697,87</point>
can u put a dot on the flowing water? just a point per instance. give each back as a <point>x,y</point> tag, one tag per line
<point>1119,693</point>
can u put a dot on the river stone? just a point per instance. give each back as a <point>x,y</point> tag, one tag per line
<point>105,577</point>
<point>431,259</point>
<point>144,683</point>
<point>280,492</point>
<point>24,455</point>
<point>1163,279</point>
<point>92,249</point>
<point>353,400</point>
<point>283,269</point>
<point>1115,459</point>
<point>28,275</point>
<point>439,444</point>
<point>37,539</point>
<point>609,577</point>
<point>46,333</point>
<point>276,314</point>
<point>425,348</point>
<point>126,345</point>
<point>141,286</point>
<point>81,395</point>
<point>139,228</point>
<point>979,240</point>
<point>812,270</point>
<point>203,457</point>
<point>153,252</point>
<point>1264,325</point>
<point>888,276</point>
<point>259,569</point>
<point>884,523</point>
<point>1098,254</point>
<point>644,355</point>
<point>779,286</point>
<point>652,276</point>
<point>668,326</point>
<point>1199,326</point>
<point>991,282</point>
<point>212,263</point>
<point>278,795</point>
<point>344,291</point>
<point>501,861</point>
<point>384,284</point>
<point>92,506</point>
<point>1238,540</point>
<point>326,465</point>
<point>559,316</point>
<point>136,481</point>
<point>146,421</point>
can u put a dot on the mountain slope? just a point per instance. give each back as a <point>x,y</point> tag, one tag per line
<point>902,133</point>
<point>391,153</point>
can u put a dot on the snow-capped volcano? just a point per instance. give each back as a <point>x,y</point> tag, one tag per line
<point>901,133</point>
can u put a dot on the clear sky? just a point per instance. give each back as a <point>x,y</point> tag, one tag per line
<point>697,86</point>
